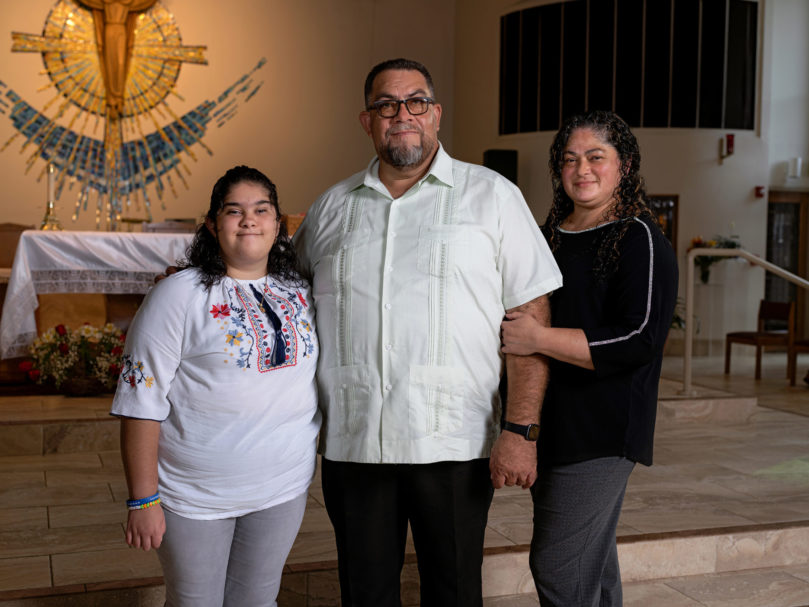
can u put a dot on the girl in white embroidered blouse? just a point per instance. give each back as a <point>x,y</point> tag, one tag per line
<point>218,405</point>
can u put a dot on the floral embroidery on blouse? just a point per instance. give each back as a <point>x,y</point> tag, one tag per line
<point>266,327</point>
<point>132,372</point>
<point>220,311</point>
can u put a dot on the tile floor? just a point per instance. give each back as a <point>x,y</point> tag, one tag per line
<point>61,513</point>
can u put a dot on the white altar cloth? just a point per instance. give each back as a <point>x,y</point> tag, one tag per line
<point>79,262</point>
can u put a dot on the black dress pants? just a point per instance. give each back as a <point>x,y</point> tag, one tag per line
<point>446,504</point>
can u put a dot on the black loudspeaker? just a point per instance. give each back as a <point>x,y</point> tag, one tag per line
<point>502,161</point>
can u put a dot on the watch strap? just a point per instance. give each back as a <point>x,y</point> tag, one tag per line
<point>529,432</point>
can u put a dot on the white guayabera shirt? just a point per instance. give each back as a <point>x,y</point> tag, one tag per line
<point>410,294</point>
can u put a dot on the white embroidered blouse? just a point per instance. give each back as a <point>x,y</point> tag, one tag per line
<point>229,373</point>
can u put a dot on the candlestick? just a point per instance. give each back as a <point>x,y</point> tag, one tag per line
<point>50,221</point>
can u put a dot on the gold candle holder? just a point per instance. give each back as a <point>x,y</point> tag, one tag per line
<point>50,221</point>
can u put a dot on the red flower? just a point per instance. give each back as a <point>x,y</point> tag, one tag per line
<point>122,337</point>
<point>34,374</point>
<point>60,329</point>
<point>26,366</point>
<point>116,351</point>
<point>115,369</point>
<point>218,311</point>
<point>64,348</point>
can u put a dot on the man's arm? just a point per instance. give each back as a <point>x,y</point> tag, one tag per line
<point>514,459</point>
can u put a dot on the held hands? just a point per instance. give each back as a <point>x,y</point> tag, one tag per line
<point>520,334</point>
<point>513,461</point>
<point>145,528</point>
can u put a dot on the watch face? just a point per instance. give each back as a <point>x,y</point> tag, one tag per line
<point>533,432</point>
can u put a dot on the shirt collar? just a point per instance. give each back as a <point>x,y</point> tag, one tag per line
<point>440,170</point>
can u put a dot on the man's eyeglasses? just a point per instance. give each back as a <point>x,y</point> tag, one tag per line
<point>388,108</point>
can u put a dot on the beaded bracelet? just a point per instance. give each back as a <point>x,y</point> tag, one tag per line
<point>143,502</point>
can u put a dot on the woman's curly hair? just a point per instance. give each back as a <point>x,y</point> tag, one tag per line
<point>204,252</point>
<point>630,195</point>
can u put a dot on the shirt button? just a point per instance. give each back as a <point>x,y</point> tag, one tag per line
<point>388,346</point>
<point>390,268</point>
<point>387,306</point>
<point>393,234</point>
<point>388,387</point>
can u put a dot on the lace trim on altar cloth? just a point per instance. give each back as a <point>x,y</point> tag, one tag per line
<point>20,345</point>
<point>92,281</point>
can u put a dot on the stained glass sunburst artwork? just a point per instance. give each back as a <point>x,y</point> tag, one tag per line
<point>143,144</point>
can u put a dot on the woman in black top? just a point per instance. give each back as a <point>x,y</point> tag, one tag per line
<point>608,325</point>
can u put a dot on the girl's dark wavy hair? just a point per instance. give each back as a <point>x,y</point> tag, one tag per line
<point>203,252</point>
<point>630,195</point>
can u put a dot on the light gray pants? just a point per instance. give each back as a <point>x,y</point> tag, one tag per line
<point>234,562</point>
<point>574,557</point>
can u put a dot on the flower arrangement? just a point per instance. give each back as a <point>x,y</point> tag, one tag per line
<point>62,356</point>
<point>706,261</point>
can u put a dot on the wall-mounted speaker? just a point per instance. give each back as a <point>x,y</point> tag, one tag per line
<point>502,161</point>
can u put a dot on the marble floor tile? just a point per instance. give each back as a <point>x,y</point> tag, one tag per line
<point>24,518</point>
<point>507,574</point>
<point>776,509</point>
<point>517,530</point>
<point>13,480</point>
<point>30,542</point>
<point>59,461</point>
<point>105,565</point>
<point>655,594</point>
<point>494,539</point>
<point>148,596</point>
<point>323,589</point>
<point>799,571</point>
<point>315,519</point>
<point>770,548</point>
<point>745,589</point>
<point>44,496</point>
<point>85,478</point>
<point>680,514</point>
<point>25,572</point>
<point>515,600</point>
<point>80,515</point>
<point>20,439</point>
<point>315,546</point>
<point>80,437</point>
<point>120,492</point>
<point>511,506</point>
<point>111,460</point>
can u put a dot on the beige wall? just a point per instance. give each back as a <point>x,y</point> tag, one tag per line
<point>301,128</point>
<point>714,198</point>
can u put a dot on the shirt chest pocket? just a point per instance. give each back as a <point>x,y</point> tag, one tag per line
<point>443,250</point>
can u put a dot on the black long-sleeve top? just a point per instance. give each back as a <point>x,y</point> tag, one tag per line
<point>626,317</point>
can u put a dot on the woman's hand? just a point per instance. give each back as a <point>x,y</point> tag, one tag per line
<point>145,528</point>
<point>520,334</point>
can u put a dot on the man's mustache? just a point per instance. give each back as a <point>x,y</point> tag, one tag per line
<point>403,126</point>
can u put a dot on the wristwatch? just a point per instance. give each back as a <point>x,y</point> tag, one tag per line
<point>529,432</point>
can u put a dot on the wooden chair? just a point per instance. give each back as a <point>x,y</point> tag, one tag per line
<point>799,345</point>
<point>767,310</point>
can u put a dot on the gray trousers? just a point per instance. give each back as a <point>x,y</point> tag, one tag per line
<point>234,562</point>
<point>574,557</point>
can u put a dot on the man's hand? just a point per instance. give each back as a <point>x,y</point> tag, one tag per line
<point>513,461</point>
<point>168,272</point>
<point>145,528</point>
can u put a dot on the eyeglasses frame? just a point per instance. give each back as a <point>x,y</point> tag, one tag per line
<point>374,106</point>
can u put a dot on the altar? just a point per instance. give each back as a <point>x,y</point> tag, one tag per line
<point>79,262</point>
